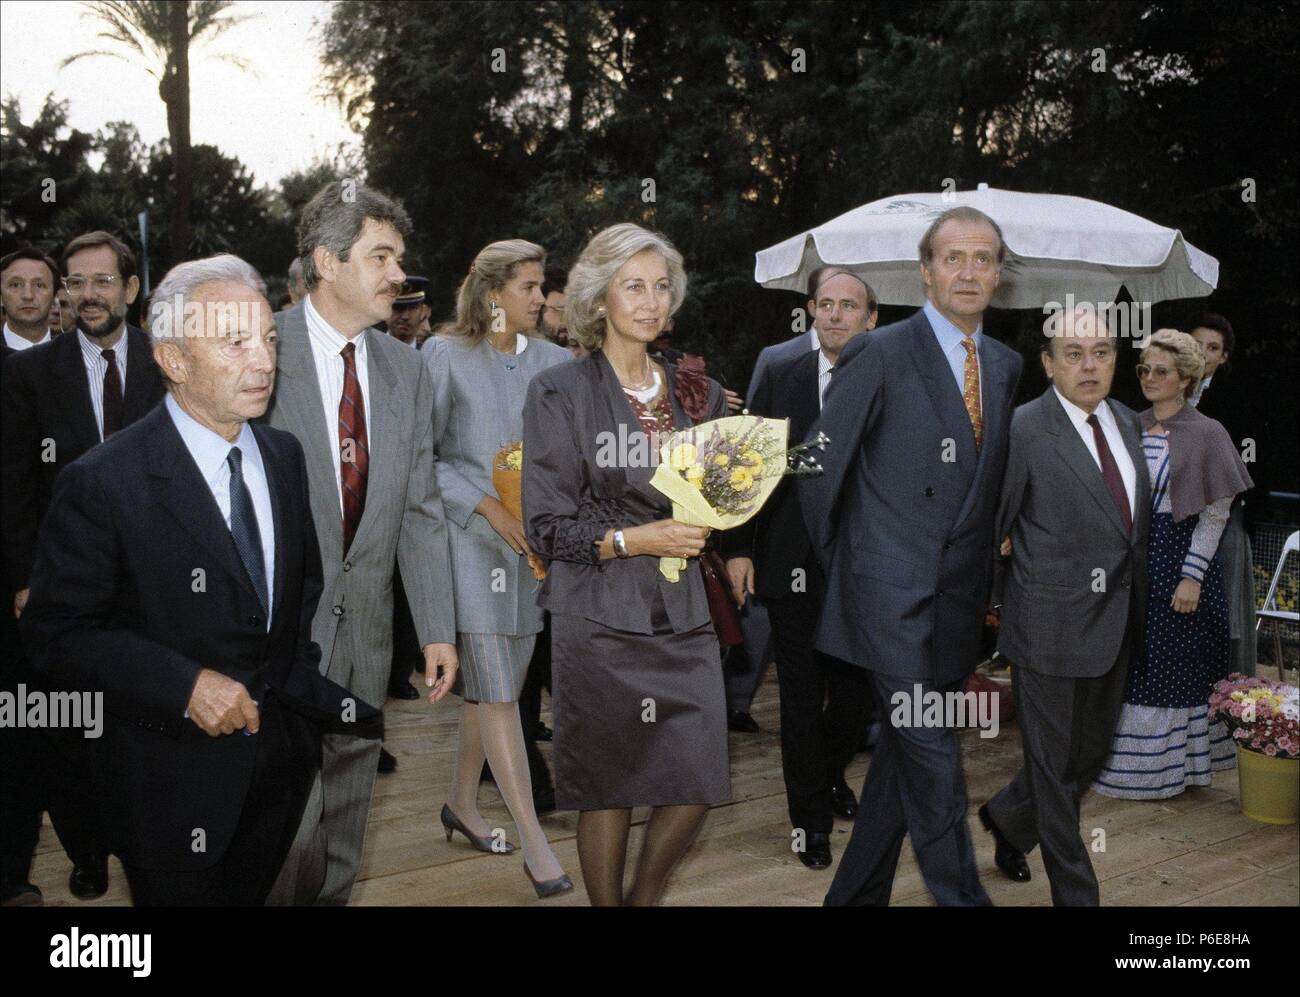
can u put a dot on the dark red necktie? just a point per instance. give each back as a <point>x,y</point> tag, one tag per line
<point>112,394</point>
<point>1110,471</point>
<point>354,448</point>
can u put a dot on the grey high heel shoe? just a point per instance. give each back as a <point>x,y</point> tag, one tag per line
<point>450,823</point>
<point>549,887</point>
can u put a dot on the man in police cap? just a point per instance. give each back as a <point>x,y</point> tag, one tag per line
<point>410,311</point>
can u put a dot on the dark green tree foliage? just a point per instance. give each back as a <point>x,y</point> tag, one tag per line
<point>1162,109</point>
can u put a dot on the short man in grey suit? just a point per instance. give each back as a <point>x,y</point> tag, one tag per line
<point>1076,504</point>
<point>360,403</point>
<point>902,522</point>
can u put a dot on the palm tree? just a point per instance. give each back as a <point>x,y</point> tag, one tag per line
<point>157,34</point>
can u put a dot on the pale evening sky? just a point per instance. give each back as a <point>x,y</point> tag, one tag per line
<point>271,117</point>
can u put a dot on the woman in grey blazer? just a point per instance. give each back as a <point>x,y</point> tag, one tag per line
<point>640,711</point>
<point>480,373</point>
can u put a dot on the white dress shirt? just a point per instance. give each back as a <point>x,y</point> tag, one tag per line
<point>950,341</point>
<point>824,367</point>
<point>96,365</point>
<point>210,451</point>
<point>17,342</point>
<point>1110,428</point>
<point>326,350</point>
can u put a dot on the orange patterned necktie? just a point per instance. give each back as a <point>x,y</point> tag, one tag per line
<point>970,391</point>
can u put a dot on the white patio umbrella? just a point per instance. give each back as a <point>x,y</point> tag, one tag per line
<point>1056,245</point>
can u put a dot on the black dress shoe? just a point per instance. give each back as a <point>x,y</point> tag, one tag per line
<point>1008,858</point>
<point>817,851</point>
<point>742,722</point>
<point>542,733</point>
<point>844,804</point>
<point>403,690</point>
<point>89,880</point>
<point>387,762</point>
<point>22,894</point>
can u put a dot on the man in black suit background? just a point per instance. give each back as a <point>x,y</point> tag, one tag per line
<point>771,557</point>
<point>61,399</point>
<point>178,573</point>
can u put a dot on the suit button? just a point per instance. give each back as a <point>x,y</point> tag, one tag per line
<point>947,546</point>
<point>347,565</point>
<point>338,610</point>
<point>929,493</point>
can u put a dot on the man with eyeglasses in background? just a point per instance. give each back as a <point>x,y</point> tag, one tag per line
<point>59,400</point>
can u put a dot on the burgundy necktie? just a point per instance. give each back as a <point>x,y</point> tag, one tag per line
<point>354,448</point>
<point>112,394</point>
<point>1110,471</point>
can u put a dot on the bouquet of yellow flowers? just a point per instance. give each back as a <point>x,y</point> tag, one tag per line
<point>507,480</point>
<point>719,473</point>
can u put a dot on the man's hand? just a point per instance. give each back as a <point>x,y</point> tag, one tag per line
<point>1187,596</point>
<point>220,705</point>
<point>740,572</point>
<point>1005,549</point>
<point>440,666</point>
<point>734,402</point>
<point>20,601</point>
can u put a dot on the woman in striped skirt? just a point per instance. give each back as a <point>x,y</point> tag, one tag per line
<point>1164,741</point>
<point>480,376</point>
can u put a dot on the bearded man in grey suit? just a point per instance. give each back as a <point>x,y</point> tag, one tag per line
<point>360,403</point>
<point>902,522</point>
<point>1076,503</point>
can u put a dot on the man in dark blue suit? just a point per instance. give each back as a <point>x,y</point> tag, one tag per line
<point>902,521</point>
<point>177,574</point>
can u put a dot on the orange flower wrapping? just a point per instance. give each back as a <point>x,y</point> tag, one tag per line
<point>508,483</point>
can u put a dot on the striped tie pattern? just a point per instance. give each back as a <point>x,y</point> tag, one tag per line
<point>970,392</point>
<point>354,448</point>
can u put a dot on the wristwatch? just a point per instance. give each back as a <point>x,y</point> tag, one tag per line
<point>620,548</point>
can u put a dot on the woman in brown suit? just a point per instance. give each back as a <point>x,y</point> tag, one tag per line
<point>640,715</point>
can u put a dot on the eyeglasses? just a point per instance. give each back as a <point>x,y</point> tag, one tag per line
<point>1158,372</point>
<point>1102,356</point>
<point>103,282</point>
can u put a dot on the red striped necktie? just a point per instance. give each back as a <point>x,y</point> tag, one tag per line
<point>354,447</point>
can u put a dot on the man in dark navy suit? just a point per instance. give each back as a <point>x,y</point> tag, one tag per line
<point>178,574</point>
<point>824,702</point>
<point>902,521</point>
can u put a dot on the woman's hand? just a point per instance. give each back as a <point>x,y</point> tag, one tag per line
<point>510,529</point>
<point>1187,596</point>
<point>665,538</point>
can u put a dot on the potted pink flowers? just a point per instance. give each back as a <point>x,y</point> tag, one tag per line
<point>1264,718</point>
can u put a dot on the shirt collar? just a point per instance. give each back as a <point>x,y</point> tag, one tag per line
<point>949,335</point>
<point>823,364</point>
<point>209,449</point>
<point>816,340</point>
<point>90,347</point>
<point>325,335</point>
<point>1079,417</point>
<point>9,333</point>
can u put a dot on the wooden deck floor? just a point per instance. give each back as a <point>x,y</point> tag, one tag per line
<point>1194,849</point>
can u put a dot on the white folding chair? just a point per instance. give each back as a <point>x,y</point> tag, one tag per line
<point>1270,611</point>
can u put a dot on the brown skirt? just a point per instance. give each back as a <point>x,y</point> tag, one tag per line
<point>640,719</point>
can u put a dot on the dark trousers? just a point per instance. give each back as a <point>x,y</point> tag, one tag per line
<point>530,704</point>
<point>244,874</point>
<point>824,708</point>
<point>743,665</point>
<point>915,787</point>
<point>1066,727</point>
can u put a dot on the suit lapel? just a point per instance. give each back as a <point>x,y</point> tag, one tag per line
<point>280,488</point>
<point>300,411</point>
<point>74,385</point>
<point>936,376</point>
<point>382,430</point>
<point>1130,433</point>
<point>141,376</point>
<point>1074,452</point>
<point>185,494</point>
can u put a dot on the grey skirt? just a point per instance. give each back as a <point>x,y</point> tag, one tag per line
<point>640,719</point>
<point>492,666</point>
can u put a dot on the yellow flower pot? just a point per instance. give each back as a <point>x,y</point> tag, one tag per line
<point>1270,787</point>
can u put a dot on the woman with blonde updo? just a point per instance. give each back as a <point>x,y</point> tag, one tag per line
<point>481,370</point>
<point>1164,741</point>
